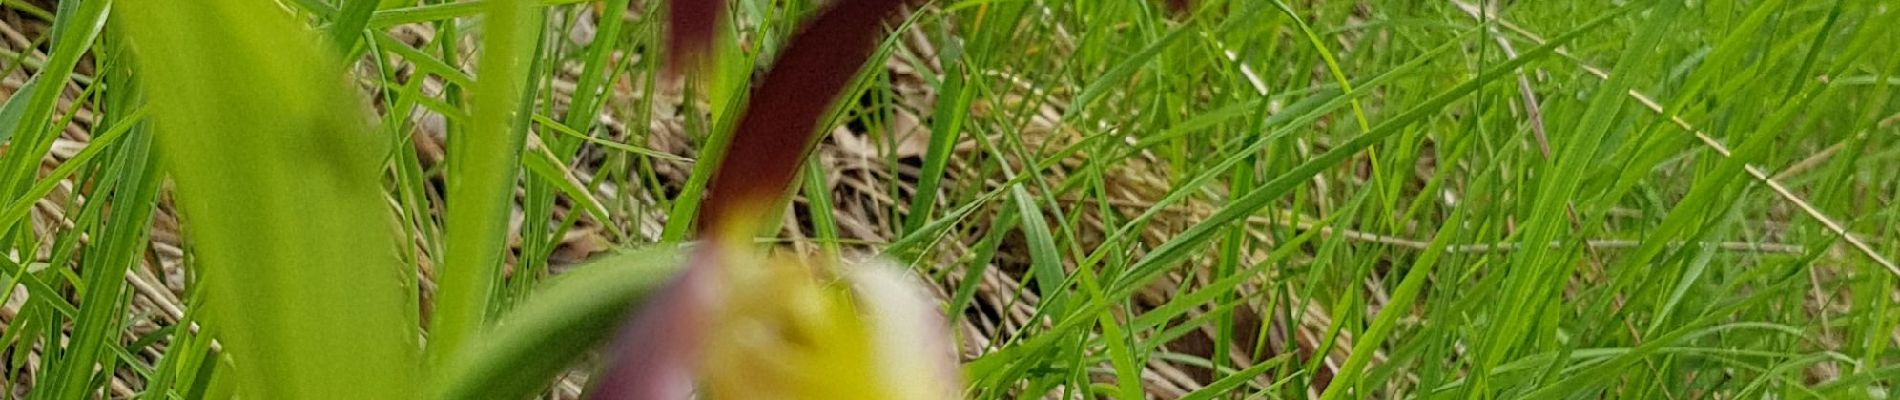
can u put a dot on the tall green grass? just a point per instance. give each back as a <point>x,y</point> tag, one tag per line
<point>482,165</point>
<point>1336,199</point>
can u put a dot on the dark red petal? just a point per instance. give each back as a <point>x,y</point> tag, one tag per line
<point>690,28</point>
<point>782,116</point>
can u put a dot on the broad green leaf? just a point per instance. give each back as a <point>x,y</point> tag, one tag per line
<point>566,317</point>
<point>278,178</point>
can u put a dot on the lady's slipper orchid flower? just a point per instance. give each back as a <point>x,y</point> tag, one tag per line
<point>742,324</point>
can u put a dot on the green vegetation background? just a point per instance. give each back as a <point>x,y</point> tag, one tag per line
<point>1243,199</point>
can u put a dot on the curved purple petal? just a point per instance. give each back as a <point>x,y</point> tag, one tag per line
<point>658,351</point>
<point>782,116</point>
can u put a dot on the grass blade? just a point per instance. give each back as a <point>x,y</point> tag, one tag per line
<point>74,29</point>
<point>1182,246</point>
<point>482,169</point>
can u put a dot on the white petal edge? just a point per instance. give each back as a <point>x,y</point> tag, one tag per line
<point>909,333</point>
